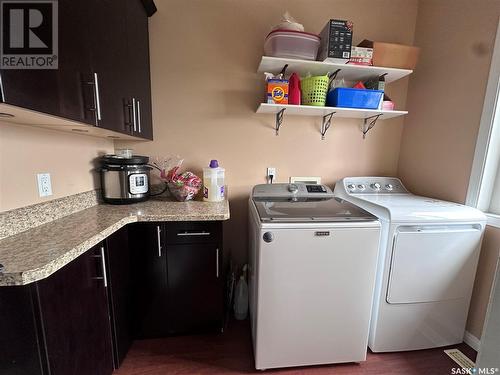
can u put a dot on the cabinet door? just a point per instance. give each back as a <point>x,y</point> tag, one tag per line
<point>21,345</point>
<point>77,94</point>
<point>119,293</point>
<point>138,67</point>
<point>150,287</point>
<point>74,307</point>
<point>195,287</point>
<point>108,51</point>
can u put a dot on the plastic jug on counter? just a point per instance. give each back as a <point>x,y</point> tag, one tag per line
<point>214,189</point>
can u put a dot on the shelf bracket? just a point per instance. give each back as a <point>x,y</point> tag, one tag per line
<point>369,123</point>
<point>279,120</point>
<point>325,125</point>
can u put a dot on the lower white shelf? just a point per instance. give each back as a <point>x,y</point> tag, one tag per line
<point>308,110</point>
<point>369,116</point>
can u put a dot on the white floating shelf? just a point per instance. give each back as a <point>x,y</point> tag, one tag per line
<point>307,110</point>
<point>349,72</point>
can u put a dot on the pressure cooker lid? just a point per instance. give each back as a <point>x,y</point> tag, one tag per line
<point>111,159</point>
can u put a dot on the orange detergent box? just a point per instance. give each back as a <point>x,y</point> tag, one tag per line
<point>277,91</point>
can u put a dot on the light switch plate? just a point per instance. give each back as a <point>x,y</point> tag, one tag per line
<point>44,184</point>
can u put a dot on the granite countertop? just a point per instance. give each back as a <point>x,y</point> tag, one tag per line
<point>36,253</point>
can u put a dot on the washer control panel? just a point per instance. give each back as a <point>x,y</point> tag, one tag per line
<point>374,185</point>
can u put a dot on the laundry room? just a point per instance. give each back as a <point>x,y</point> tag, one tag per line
<point>231,187</point>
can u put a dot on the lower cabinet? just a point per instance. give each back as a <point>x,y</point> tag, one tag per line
<point>118,272</point>
<point>59,325</point>
<point>178,281</point>
<point>73,310</point>
<point>74,322</point>
<point>145,280</point>
<point>150,287</point>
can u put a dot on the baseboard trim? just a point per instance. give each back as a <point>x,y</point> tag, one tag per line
<point>472,341</point>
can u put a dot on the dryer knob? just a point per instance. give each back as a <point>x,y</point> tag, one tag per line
<point>389,187</point>
<point>351,187</point>
<point>375,186</point>
<point>268,237</point>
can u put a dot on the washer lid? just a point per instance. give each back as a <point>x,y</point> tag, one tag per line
<point>280,210</point>
<point>414,208</point>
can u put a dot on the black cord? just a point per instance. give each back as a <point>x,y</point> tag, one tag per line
<point>166,186</point>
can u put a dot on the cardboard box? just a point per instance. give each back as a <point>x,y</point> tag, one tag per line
<point>361,56</point>
<point>336,41</point>
<point>277,91</point>
<point>392,55</point>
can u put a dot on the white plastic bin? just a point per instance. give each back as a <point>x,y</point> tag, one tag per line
<point>292,44</point>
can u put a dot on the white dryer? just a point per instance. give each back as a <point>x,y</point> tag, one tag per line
<point>312,275</point>
<point>428,256</point>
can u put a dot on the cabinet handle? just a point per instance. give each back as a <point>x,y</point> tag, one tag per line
<point>128,121</point>
<point>139,115</point>
<point>194,234</point>
<point>158,231</point>
<point>134,114</point>
<point>97,97</point>
<point>104,273</point>
<point>217,263</point>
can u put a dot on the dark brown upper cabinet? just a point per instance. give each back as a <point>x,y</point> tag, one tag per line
<point>103,77</point>
<point>139,83</point>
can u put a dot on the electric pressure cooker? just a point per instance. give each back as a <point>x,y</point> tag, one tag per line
<point>124,179</point>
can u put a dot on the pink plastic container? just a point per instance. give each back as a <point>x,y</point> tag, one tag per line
<point>292,44</point>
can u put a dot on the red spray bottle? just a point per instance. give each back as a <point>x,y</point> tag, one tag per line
<point>294,89</point>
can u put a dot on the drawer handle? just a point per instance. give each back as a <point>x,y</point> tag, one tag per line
<point>97,101</point>
<point>217,263</point>
<point>104,276</point>
<point>139,116</point>
<point>104,273</point>
<point>194,234</point>
<point>158,231</point>
<point>134,114</point>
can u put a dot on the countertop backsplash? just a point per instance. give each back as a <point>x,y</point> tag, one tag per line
<point>24,218</point>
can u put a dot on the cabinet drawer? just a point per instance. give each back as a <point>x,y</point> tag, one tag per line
<point>194,232</point>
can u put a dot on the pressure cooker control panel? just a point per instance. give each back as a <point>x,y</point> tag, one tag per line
<point>138,183</point>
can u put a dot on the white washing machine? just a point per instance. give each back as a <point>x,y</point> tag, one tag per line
<point>429,251</point>
<point>312,276</point>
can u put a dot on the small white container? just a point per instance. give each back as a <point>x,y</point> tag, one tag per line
<point>292,44</point>
<point>241,299</point>
<point>214,189</point>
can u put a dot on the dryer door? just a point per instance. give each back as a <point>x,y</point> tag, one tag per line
<point>433,263</point>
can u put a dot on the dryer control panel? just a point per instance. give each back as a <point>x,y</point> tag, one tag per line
<point>374,185</point>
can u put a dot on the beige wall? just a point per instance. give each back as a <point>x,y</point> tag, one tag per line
<point>445,101</point>
<point>26,151</point>
<point>205,89</point>
<point>446,94</point>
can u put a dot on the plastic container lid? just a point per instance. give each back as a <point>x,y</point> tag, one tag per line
<point>111,159</point>
<point>293,32</point>
<point>214,164</point>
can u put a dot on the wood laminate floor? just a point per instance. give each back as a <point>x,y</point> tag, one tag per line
<point>231,353</point>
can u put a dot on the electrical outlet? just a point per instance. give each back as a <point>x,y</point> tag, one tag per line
<point>44,184</point>
<point>271,171</point>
